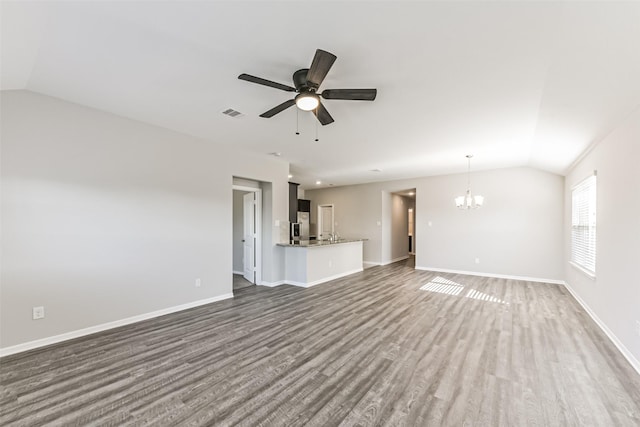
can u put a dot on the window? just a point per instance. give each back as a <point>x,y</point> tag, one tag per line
<point>583,226</point>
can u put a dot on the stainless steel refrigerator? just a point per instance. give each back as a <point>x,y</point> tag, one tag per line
<point>303,220</point>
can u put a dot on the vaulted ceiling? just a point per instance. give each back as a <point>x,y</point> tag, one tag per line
<point>514,83</point>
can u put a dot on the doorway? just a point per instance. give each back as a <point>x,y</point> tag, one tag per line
<point>325,221</point>
<point>247,235</point>
<point>399,226</point>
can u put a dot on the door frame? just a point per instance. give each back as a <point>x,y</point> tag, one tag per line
<point>387,223</point>
<point>333,219</point>
<point>411,225</point>
<point>257,256</point>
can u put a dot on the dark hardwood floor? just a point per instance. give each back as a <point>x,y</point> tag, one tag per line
<point>368,349</point>
<point>239,282</point>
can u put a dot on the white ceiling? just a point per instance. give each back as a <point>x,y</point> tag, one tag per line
<point>514,83</point>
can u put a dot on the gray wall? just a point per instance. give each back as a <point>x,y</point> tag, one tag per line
<point>105,218</point>
<point>357,210</point>
<point>614,296</point>
<point>518,232</point>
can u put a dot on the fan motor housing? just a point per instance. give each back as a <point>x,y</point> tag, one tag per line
<point>300,79</point>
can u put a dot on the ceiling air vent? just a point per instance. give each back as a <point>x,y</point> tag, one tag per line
<point>232,113</point>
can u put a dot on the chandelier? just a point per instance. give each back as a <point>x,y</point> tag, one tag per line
<point>468,201</point>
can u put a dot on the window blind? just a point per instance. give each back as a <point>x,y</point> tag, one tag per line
<point>583,225</point>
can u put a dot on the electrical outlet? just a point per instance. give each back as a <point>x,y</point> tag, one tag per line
<point>477,260</point>
<point>638,327</point>
<point>198,282</point>
<point>330,263</point>
<point>38,313</point>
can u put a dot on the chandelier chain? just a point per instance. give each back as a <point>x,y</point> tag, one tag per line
<point>469,201</point>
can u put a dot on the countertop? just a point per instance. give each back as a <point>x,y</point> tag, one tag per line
<point>316,243</point>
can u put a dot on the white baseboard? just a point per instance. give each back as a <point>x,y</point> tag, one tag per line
<point>323,280</point>
<point>309,284</point>
<point>241,273</point>
<point>625,352</point>
<point>369,264</point>
<point>499,276</point>
<point>402,258</point>
<point>106,326</point>
<point>271,284</point>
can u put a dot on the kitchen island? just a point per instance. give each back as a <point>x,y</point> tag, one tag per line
<point>311,262</point>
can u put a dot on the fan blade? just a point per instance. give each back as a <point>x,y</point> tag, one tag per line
<point>350,94</point>
<point>323,115</point>
<point>279,108</point>
<point>264,82</point>
<point>320,66</point>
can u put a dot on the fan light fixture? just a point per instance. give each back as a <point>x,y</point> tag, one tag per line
<point>307,101</point>
<point>468,201</point>
<point>306,82</point>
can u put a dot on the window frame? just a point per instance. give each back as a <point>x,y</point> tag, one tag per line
<point>589,243</point>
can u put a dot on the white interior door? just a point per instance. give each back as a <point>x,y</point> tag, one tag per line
<point>410,231</point>
<point>249,255</point>
<point>325,220</point>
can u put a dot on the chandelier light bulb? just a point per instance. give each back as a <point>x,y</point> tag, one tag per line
<point>469,201</point>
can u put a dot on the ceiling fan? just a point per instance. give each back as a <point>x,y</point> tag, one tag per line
<point>306,82</point>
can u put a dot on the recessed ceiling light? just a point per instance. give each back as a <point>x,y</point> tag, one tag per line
<point>318,182</point>
<point>376,170</point>
<point>275,154</point>
<point>290,176</point>
<point>411,193</point>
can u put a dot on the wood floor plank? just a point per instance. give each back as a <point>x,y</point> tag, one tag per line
<point>369,349</point>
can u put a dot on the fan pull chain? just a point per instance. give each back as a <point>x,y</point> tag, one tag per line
<point>316,128</point>
<point>297,121</point>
